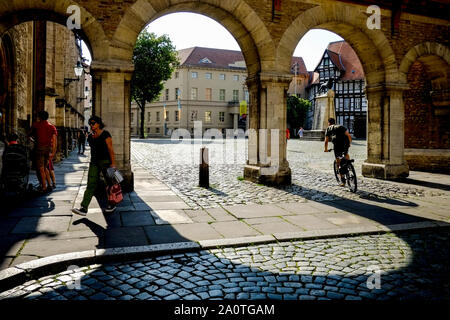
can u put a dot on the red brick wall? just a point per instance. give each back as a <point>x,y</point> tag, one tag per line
<point>424,129</point>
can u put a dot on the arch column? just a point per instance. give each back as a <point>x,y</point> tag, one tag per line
<point>112,102</point>
<point>267,163</point>
<point>385,137</point>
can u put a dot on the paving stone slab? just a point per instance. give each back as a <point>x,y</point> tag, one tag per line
<point>272,225</point>
<point>167,205</point>
<point>42,225</point>
<point>41,211</point>
<point>256,211</point>
<point>165,198</point>
<point>219,214</point>
<point>93,221</point>
<point>137,218</point>
<point>162,216</point>
<point>197,231</point>
<point>125,237</point>
<point>299,208</point>
<point>199,216</point>
<point>54,247</point>
<point>234,229</point>
<point>164,234</point>
<point>310,222</point>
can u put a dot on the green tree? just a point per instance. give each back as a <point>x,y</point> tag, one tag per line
<point>155,59</point>
<point>296,111</point>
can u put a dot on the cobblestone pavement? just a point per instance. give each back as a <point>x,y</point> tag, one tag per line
<point>312,174</point>
<point>404,265</point>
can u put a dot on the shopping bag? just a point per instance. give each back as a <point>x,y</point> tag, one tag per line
<point>114,194</point>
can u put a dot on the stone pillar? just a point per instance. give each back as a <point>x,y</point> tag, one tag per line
<point>59,123</point>
<point>323,110</point>
<point>112,102</point>
<point>267,163</point>
<point>385,138</point>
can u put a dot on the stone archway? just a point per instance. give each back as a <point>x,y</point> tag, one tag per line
<point>427,107</point>
<point>237,17</point>
<point>385,112</point>
<point>91,31</point>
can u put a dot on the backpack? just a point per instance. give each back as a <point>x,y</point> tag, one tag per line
<point>336,132</point>
<point>114,194</point>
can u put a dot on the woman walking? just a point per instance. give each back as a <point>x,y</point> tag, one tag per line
<point>102,158</point>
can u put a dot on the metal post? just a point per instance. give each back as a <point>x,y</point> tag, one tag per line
<point>204,168</point>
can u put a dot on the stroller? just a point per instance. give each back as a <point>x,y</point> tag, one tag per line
<point>16,169</point>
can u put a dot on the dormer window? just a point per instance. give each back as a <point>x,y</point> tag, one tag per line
<point>205,60</point>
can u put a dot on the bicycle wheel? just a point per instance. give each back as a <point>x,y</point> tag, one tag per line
<point>351,178</point>
<point>336,172</point>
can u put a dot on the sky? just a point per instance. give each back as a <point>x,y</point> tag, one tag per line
<point>189,30</point>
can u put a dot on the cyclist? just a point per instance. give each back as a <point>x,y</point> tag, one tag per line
<point>341,140</point>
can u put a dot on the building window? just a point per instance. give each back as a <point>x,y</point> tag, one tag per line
<point>194,93</point>
<point>236,77</point>
<point>235,95</point>
<point>208,94</point>
<point>157,116</point>
<point>149,117</point>
<point>222,94</point>
<point>194,115</point>
<point>157,130</point>
<point>148,129</point>
<point>221,116</point>
<point>167,94</point>
<point>177,115</point>
<point>207,116</point>
<point>194,75</point>
<point>166,115</point>
<point>222,76</point>
<point>132,117</point>
<point>177,93</point>
<point>177,75</point>
<point>208,75</point>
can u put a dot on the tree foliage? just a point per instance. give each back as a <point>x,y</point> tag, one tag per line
<point>297,109</point>
<point>155,59</point>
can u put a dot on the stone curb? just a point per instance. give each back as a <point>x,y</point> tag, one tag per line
<point>17,275</point>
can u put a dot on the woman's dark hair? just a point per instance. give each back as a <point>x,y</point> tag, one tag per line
<point>332,121</point>
<point>98,120</point>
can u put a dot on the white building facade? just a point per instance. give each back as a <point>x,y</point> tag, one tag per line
<point>208,86</point>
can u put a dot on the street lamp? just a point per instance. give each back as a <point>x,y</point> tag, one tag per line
<point>78,69</point>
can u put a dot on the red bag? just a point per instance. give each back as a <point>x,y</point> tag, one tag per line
<point>114,194</point>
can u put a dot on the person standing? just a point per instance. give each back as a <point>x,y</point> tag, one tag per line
<point>81,140</point>
<point>102,158</point>
<point>300,132</point>
<point>45,134</point>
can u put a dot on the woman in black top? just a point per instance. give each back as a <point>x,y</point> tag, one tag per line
<point>102,158</point>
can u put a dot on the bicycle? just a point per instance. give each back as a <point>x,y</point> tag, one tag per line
<point>347,170</point>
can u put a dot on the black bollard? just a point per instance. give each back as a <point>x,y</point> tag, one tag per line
<point>204,168</point>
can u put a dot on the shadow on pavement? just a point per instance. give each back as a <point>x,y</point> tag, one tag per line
<point>422,183</point>
<point>22,214</point>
